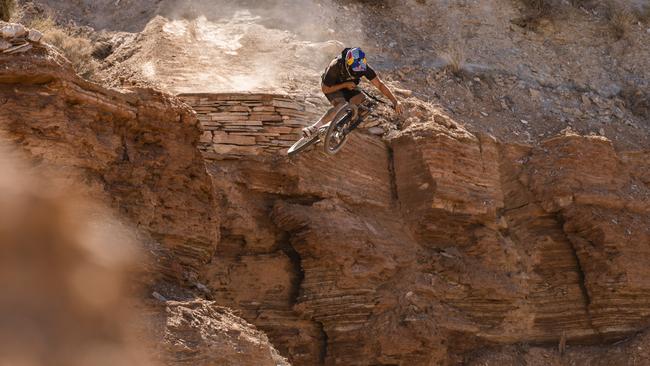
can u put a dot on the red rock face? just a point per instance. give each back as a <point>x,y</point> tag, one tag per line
<point>64,265</point>
<point>423,249</point>
<point>136,150</point>
<point>66,268</point>
<point>601,199</point>
<point>418,250</point>
<point>257,266</point>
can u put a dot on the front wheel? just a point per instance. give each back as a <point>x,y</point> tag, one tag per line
<point>337,132</point>
<point>303,144</point>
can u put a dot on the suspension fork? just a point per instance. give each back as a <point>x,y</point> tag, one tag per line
<point>357,118</point>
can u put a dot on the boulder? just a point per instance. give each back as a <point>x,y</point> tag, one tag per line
<point>34,35</point>
<point>376,130</point>
<point>12,30</point>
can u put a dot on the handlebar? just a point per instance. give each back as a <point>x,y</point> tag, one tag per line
<point>374,98</point>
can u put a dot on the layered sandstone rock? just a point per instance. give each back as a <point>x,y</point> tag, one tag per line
<point>419,250</point>
<point>415,250</point>
<point>241,124</point>
<point>65,273</point>
<point>136,150</point>
<point>602,201</point>
<point>629,351</point>
<point>256,268</point>
<point>67,300</point>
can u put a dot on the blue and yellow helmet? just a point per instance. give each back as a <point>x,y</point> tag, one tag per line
<point>355,59</point>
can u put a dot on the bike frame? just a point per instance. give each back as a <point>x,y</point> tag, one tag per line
<point>296,148</point>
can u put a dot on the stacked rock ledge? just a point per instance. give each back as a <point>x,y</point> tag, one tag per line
<point>243,124</point>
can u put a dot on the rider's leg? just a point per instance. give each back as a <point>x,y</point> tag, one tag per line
<point>358,99</point>
<point>337,104</point>
<point>338,100</point>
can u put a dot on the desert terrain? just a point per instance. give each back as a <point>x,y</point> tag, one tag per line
<point>150,214</point>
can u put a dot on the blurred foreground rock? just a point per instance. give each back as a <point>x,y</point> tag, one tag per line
<point>64,264</point>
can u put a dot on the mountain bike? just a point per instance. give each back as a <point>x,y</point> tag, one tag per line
<point>335,134</point>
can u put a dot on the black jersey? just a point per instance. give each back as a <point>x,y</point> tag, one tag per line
<point>337,72</point>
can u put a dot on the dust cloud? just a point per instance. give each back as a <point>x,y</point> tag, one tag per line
<point>63,268</point>
<point>224,46</point>
<point>314,20</point>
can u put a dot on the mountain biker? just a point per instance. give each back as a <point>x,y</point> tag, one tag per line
<point>340,83</point>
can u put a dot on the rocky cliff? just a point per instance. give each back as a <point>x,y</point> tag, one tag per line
<point>422,247</point>
<point>416,249</point>
<point>135,149</point>
<point>98,154</point>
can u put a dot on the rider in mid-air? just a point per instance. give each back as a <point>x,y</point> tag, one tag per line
<point>340,84</point>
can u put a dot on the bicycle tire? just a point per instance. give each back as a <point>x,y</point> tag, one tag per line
<point>302,145</point>
<point>338,119</point>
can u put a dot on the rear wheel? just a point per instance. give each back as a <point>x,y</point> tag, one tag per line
<point>337,132</point>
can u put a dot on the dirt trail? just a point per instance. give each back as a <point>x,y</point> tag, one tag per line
<point>227,46</point>
<point>517,81</point>
<point>235,54</point>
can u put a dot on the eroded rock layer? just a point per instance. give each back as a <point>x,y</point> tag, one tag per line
<point>67,271</point>
<point>135,150</point>
<point>419,249</point>
<point>242,124</point>
<point>256,267</point>
<point>414,250</point>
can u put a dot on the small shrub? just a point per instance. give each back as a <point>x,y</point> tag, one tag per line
<point>455,60</point>
<point>535,11</point>
<point>7,8</point>
<point>78,50</point>
<point>42,24</point>
<point>621,20</point>
<point>637,101</point>
<point>643,13</point>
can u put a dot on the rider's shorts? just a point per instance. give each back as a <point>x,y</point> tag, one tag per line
<point>343,94</point>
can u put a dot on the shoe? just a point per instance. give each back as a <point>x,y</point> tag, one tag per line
<point>308,131</point>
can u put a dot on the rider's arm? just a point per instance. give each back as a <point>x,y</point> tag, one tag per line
<point>336,87</point>
<point>331,82</point>
<point>379,84</point>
